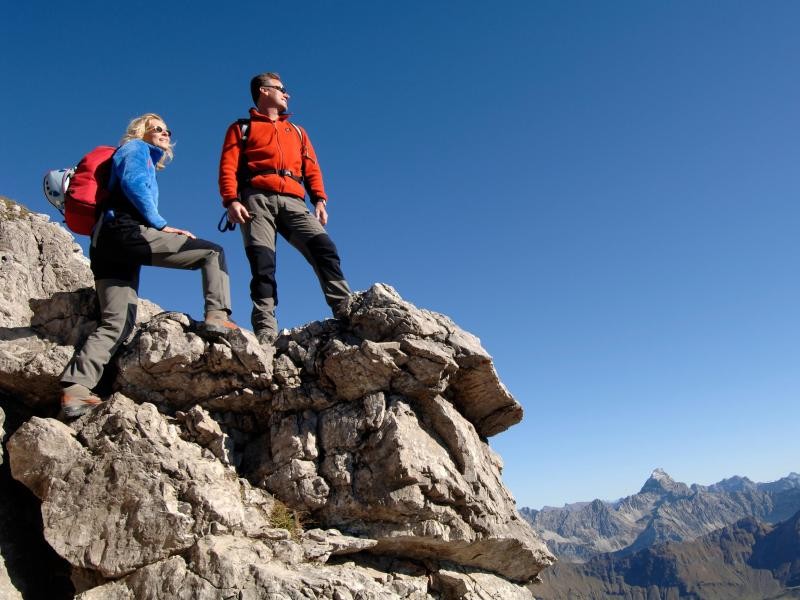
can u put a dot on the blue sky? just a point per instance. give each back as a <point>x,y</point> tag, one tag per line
<point>604,192</point>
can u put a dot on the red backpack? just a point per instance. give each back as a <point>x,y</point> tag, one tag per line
<point>80,192</point>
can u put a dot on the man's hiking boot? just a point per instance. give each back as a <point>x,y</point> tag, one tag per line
<point>341,311</point>
<point>76,400</point>
<point>266,338</point>
<point>217,325</point>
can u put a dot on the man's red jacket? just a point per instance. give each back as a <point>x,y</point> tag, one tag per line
<point>270,145</point>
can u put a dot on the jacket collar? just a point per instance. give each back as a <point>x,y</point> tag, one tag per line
<point>155,152</point>
<point>257,116</point>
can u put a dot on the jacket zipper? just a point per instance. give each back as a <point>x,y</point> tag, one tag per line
<point>282,163</point>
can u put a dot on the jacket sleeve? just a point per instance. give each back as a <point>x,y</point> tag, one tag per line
<point>131,164</point>
<point>312,173</point>
<point>229,165</point>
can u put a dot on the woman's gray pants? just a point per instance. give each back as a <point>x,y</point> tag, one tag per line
<point>118,251</point>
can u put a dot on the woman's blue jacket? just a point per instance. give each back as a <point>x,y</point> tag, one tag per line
<point>133,167</point>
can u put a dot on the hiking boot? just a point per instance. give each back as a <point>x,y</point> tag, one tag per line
<point>341,311</point>
<point>217,325</point>
<point>266,338</point>
<point>76,400</point>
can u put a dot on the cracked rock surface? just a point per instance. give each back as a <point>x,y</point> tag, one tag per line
<point>375,425</point>
<point>350,460</point>
<point>124,490</point>
<point>47,303</point>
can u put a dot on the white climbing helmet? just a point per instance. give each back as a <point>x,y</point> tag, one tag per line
<point>56,183</point>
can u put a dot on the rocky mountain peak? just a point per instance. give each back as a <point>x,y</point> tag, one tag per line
<point>790,482</point>
<point>732,484</point>
<point>371,430</point>
<point>660,474</point>
<point>660,482</point>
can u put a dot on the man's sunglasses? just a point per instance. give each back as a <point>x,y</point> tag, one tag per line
<point>280,88</point>
<point>160,129</point>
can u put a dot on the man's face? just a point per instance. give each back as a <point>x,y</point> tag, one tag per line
<point>274,95</point>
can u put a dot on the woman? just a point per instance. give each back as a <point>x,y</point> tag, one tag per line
<point>129,234</point>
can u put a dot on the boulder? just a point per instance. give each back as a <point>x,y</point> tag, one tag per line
<point>123,489</point>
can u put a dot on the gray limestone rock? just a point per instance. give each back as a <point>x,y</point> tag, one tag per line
<point>203,430</point>
<point>38,260</point>
<point>219,567</point>
<point>459,584</point>
<point>47,303</point>
<point>320,544</point>
<point>378,437</point>
<point>170,364</point>
<point>380,315</point>
<point>124,490</point>
<point>417,478</point>
<point>370,429</point>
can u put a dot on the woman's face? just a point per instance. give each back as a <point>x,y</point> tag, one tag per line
<point>157,134</point>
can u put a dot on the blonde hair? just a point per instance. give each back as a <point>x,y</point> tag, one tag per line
<point>136,130</point>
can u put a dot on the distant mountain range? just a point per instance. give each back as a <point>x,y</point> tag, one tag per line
<point>745,560</point>
<point>662,511</point>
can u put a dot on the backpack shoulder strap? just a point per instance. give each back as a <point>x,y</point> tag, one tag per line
<point>303,150</point>
<point>299,131</point>
<point>244,128</point>
<point>242,172</point>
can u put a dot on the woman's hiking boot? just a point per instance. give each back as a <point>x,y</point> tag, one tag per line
<point>76,400</point>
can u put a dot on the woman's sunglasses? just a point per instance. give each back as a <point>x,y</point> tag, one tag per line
<point>160,129</point>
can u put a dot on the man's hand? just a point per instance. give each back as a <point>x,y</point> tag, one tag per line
<point>189,234</point>
<point>237,213</point>
<point>320,212</point>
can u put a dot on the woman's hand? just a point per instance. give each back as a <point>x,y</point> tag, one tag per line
<point>189,234</point>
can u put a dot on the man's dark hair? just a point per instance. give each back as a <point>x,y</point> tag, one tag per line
<point>259,81</point>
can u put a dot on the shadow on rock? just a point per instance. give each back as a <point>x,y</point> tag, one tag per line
<point>29,567</point>
<point>65,318</point>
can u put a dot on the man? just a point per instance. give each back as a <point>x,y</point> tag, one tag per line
<point>267,165</point>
